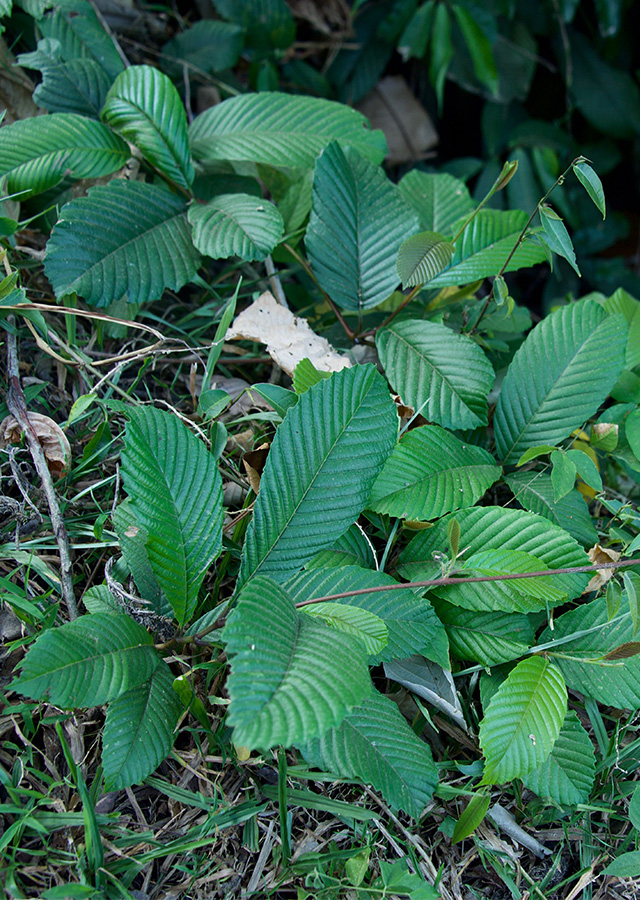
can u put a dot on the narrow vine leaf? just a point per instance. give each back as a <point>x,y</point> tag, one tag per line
<point>523,720</point>
<point>534,491</point>
<point>472,815</point>
<point>36,153</point>
<point>359,623</point>
<point>479,48</point>
<point>499,529</point>
<point>422,257</point>
<point>567,775</point>
<point>483,248</point>
<point>280,130</point>
<point>439,199</point>
<point>146,109</point>
<point>75,86</point>
<point>123,238</point>
<point>139,728</point>
<point>88,661</point>
<point>591,183</point>
<point>374,743</point>
<point>443,375</point>
<point>357,225</point>
<point>563,474</point>
<point>612,682</point>
<point>236,225</point>
<point>176,492</point>
<point>558,377</point>
<point>586,468</point>
<point>412,625</point>
<point>430,473</point>
<point>291,677</point>
<point>322,464</point>
<point>557,237</point>
<point>490,638</point>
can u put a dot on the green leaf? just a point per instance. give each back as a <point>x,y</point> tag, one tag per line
<point>441,51</point>
<point>316,480</point>
<point>412,625</point>
<point>305,375</point>
<point>563,474</point>
<point>209,45</point>
<point>374,743</point>
<point>360,623</point>
<point>357,225</point>
<point>615,682</point>
<point>439,199</point>
<point>268,24</point>
<point>566,777</point>
<point>125,237</point>
<point>627,865</point>
<point>133,543</point>
<point>75,86</point>
<point>176,492</point>
<point>606,96</point>
<point>631,582</point>
<point>500,529</point>
<point>236,225</point>
<point>37,153</point>
<point>429,473</point>
<point>490,638</point>
<point>146,109</point>
<point>88,661</point>
<point>558,378</point>
<point>623,302</point>
<point>291,677</point>
<point>534,453</point>
<point>139,729</point>
<point>634,808</point>
<point>280,130</point>
<point>632,432</point>
<point>353,548</point>
<point>414,38</point>
<point>523,720</point>
<point>479,48</point>
<point>591,183</point>
<point>534,491</point>
<point>443,375</point>
<point>557,237</point>
<point>586,468</point>
<point>422,257</point>
<point>483,248</point>
<point>76,26</point>
<point>472,815</point>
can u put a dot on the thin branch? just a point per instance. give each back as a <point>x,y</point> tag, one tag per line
<point>436,582</point>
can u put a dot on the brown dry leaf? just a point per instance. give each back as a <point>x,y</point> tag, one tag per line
<point>52,438</point>
<point>253,462</point>
<point>288,338</point>
<point>599,554</point>
<point>392,107</point>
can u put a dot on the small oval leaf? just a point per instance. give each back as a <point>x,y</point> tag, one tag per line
<point>423,257</point>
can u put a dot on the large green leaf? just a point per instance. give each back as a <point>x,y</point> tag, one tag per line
<point>443,375</point>
<point>280,130</point>
<point>291,677</point>
<point>439,199</point>
<point>76,26</point>
<point>490,638</point>
<point>123,238</point>
<point>615,682</point>
<point>88,662</point>
<point>484,246</point>
<point>497,528</point>
<point>523,720</point>
<point>138,730</point>
<point>534,491</point>
<point>75,86</point>
<point>412,625</point>
<point>358,222</point>
<point>176,492</point>
<point>558,377</point>
<point>209,45</point>
<point>37,153</point>
<point>323,461</point>
<point>374,743</point>
<point>235,225</point>
<point>430,473</point>
<point>146,109</point>
<point>567,775</point>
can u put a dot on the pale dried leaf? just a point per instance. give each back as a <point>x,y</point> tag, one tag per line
<point>52,438</point>
<point>289,339</point>
<point>392,107</point>
<point>599,554</point>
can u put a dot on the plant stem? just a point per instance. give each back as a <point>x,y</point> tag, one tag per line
<point>305,265</point>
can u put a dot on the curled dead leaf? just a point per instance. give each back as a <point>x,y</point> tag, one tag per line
<point>52,438</point>
<point>253,462</point>
<point>598,554</point>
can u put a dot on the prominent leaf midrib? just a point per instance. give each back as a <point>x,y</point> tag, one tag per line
<point>134,106</point>
<point>570,361</point>
<point>434,369</point>
<point>286,524</point>
<point>374,748</point>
